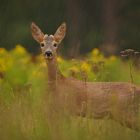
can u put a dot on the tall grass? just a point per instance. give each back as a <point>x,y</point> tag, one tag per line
<point>27,110</point>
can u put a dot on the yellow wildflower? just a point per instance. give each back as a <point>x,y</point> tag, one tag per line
<point>95,52</point>
<point>20,49</point>
<point>113,58</point>
<point>59,59</point>
<point>85,67</point>
<point>74,69</point>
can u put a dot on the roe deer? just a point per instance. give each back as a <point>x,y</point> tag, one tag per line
<point>115,100</point>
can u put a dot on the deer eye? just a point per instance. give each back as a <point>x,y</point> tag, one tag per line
<point>55,45</point>
<point>42,44</point>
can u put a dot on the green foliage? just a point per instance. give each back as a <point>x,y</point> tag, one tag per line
<point>26,107</point>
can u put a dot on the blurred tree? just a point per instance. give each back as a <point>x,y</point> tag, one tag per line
<point>111,25</point>
<point>75,22</point>
<point>110,20</point>
<point>130,24</point>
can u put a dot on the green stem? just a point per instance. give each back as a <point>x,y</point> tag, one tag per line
<point>130,70</point>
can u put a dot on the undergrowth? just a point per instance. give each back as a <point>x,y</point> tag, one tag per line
<point>25,101</point>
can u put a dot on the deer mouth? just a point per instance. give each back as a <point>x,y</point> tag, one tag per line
<point>49,58</point>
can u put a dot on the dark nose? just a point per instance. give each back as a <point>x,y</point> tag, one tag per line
<point>48,53</point>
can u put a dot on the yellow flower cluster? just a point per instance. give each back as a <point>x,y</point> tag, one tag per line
<point>19,61</point>
<point>60,59</point>
<point>113,58</point>
<point>95,52</point>
<point>74,69</point>
<point>85,67</point>
<point>20,50</point>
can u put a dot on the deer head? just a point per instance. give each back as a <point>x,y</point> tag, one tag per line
<point>48,43</point>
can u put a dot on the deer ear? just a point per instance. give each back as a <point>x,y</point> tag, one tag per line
<point>36,32</point>
<point>60,32</point>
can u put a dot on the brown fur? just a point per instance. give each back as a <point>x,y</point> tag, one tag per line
<point>115,100</point>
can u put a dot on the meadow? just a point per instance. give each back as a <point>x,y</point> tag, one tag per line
<point>25,100</point>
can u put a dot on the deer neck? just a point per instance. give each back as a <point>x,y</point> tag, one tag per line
<point>52,70</point>
<point>54,74</point>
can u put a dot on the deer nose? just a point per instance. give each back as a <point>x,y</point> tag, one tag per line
<point>48,53</point>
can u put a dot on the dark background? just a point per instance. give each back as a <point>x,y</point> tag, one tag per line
<point>111,25</point>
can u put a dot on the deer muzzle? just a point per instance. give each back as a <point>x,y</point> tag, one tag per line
<point>48,55</point>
